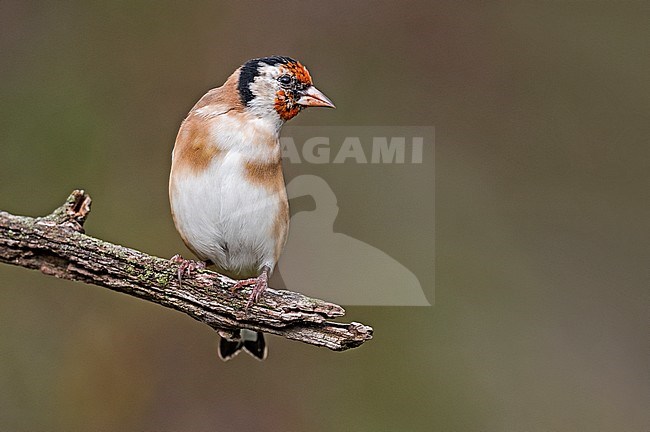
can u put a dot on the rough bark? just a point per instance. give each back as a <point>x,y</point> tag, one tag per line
<point>57,245</point>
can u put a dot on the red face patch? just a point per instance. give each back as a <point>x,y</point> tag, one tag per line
<point>286,99</point>
<point>299,72</point>
<point>285,106</point>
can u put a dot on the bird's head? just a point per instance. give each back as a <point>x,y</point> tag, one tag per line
<point>279,87</point>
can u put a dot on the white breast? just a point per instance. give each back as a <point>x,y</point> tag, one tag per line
<point>221,214</point>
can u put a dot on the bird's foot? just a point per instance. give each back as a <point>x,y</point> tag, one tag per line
<point>261,283</point>
<point>260,286</point>
<point>242,283</point>
<point>186,267</point>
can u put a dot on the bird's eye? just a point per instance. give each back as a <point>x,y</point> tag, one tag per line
<point>285,80</point>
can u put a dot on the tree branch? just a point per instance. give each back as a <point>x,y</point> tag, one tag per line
<point>57,246</point>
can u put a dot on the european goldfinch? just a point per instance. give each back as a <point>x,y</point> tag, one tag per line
<point>226,187</point>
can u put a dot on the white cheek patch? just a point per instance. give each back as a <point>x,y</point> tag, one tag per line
<point>264,88</point>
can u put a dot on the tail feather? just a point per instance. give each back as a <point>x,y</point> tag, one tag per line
<point>229,349</point>
<point>249,341</point>
<point>256,348</point>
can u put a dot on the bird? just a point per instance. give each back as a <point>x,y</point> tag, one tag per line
<point>227,192</point>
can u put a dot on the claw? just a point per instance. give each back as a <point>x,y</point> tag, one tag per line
<point>259,288</point>
<point>242,283</point>
<point>261,283</point>
<point>186,267</point>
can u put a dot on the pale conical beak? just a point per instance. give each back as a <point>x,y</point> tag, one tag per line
<point>312,97</point>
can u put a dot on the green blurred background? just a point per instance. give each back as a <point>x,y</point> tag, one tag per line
<point>541,312</point>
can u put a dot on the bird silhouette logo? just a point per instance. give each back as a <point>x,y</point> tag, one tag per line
<point>322,263</point>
